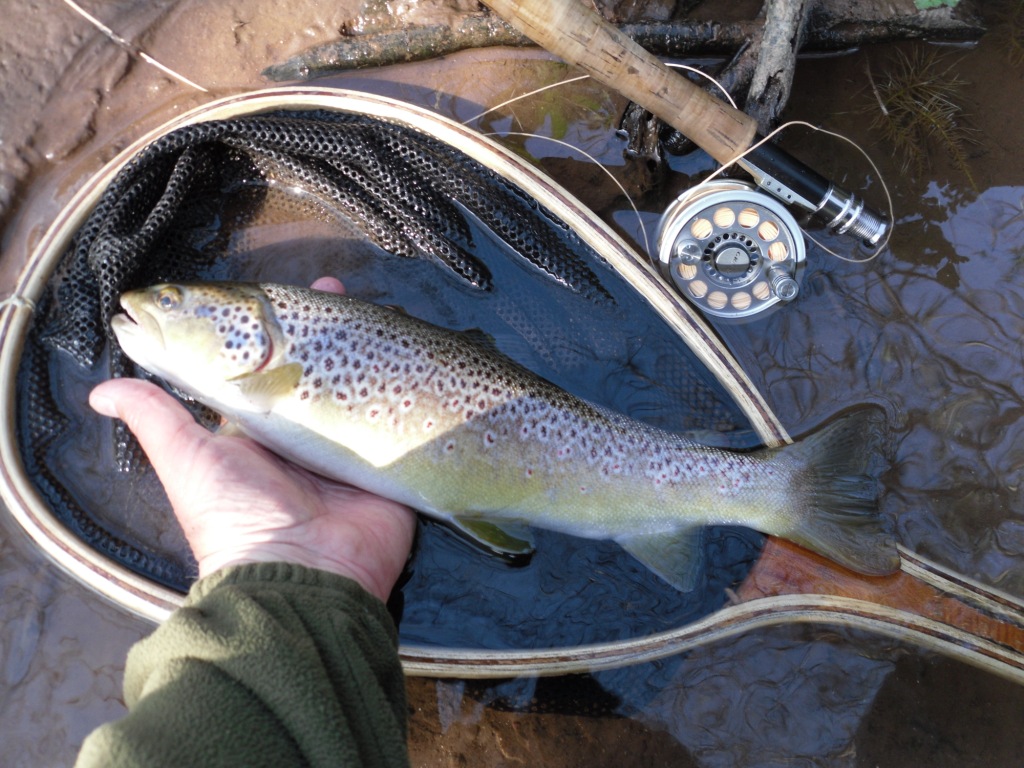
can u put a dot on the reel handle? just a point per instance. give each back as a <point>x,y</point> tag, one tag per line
<point>581,37</point>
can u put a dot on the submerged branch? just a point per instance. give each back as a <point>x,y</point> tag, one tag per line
<point>828,29</point>
<point>395,46</point>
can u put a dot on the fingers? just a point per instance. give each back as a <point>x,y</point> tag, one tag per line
<point>165,430</point>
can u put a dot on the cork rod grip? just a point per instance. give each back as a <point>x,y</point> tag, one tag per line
<point>579,36</point>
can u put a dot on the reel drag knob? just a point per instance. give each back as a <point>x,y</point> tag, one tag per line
<point>783,284</point>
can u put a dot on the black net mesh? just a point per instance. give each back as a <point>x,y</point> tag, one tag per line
<point>403,219</point>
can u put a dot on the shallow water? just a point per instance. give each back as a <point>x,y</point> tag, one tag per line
<point>931,331</point>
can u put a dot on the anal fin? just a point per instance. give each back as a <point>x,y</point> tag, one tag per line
<point>675,557</point>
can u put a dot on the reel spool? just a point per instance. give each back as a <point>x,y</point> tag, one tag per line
<point>731,250</point>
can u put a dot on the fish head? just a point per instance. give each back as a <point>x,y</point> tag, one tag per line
<point>199,338</point>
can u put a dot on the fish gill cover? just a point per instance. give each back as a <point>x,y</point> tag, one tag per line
<point>403,219</point>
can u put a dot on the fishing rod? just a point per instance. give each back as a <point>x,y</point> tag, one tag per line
<point>726,274</point>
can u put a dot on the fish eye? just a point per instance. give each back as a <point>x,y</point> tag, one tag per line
<point>168,297</point>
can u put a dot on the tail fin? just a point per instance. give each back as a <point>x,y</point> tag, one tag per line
<point>839,517</point>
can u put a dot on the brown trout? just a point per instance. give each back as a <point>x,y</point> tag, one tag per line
<point>425,416</point>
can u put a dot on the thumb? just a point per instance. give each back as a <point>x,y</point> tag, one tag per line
<point>165,430</point>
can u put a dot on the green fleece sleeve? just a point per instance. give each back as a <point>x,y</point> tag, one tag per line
<point>269,664</point>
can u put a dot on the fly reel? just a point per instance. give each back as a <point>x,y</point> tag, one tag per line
<point>731,250</point>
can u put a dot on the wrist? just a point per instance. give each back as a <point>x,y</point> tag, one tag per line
<point>296,555</point>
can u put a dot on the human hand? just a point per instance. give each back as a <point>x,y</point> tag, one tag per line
<point>239,503</point>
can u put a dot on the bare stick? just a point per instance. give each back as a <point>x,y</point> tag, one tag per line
<point>581,37</point>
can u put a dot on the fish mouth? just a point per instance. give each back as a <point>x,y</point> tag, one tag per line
<point>135,330</point>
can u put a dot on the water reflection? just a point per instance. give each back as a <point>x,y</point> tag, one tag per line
<point>931,331</point>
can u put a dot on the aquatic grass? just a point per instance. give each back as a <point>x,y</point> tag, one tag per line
<point>916,110</point>
<point>1014,35</point>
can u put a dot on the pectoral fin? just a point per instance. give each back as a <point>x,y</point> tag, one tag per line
<point>229,429</point>
<point>676,557</point>
<point>265,387</point>
<point>507,539</point>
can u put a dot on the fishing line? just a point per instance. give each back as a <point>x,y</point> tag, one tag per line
<point>526,95</point>
<point>801,123</point>
<point>132,48</point>
<point>594,160</point>
<point>580,78</point>
<point>706,76</point>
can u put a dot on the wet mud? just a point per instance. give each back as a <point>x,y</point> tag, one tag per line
<point>930,331</point>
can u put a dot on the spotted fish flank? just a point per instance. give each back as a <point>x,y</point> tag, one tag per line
<point>425,416</point>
